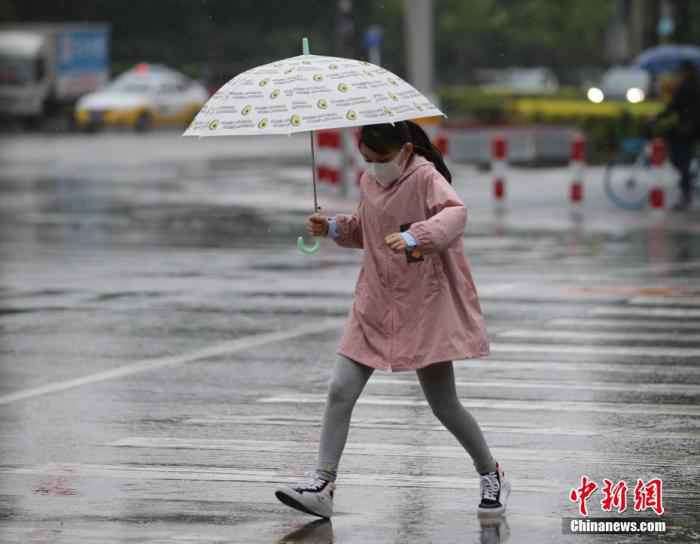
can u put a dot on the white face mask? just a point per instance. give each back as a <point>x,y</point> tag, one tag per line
<point>386,172</point>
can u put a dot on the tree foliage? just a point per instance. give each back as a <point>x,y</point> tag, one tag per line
<point>224,37</point>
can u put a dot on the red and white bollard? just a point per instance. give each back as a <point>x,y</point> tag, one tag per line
<point>328,156</point>
<point>577,165</point>
<point>657,196</point>
<point>499,165</point>
<point>442,143</point>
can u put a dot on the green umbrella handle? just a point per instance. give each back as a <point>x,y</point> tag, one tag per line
<point>309,250</point>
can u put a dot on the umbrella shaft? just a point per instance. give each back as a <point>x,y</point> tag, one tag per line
<point>313,170</point>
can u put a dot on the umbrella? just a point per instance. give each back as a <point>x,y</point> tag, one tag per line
<point>307,93</point>
<point>667,58</point>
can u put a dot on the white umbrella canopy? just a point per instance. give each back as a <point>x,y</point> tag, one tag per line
<point>309,92</point>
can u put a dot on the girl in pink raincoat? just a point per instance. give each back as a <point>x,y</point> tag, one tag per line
<point>415,308</point>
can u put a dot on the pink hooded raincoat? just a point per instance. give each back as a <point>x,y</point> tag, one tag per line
<point>411,310</point>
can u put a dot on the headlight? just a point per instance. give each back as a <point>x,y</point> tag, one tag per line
<point>635,95</point>
<point>595,95</point>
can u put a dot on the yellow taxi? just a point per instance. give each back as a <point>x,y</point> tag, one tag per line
<point>144,97</point>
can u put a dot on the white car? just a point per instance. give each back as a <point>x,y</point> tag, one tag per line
<point>622,83</point>
<point>147,96</point>
<point>538,80</point>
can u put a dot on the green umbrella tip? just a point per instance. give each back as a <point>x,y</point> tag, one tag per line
<point>305,46</point>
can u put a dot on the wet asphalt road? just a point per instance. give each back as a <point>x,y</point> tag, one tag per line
<point>165,349</point>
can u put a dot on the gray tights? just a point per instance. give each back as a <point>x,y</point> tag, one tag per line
<point>438,383</point>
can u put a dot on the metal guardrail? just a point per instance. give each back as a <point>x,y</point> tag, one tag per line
<point>526,145</point>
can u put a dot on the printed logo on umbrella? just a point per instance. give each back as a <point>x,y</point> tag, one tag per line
<point>262,123</point>
<point>295,120</point>
<point>213,125</point>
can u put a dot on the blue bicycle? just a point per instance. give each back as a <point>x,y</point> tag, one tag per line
<point>628,176</point>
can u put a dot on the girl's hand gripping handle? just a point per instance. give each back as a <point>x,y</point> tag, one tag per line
<point>317,225</point>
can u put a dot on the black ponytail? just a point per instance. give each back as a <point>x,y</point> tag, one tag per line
<point>386,137</point>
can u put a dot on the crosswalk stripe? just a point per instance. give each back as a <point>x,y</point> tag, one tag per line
<point>547,334</point>
<point>572,386</point>
<point>624,324</point>
<point>637,351</point>
<point>274,477</point>
<point>380,449</point>
<point>577,366</point>
<point>666,301</point>
<point>228,474</point>
<point>645,312</point>
<point>687,410</point>
<point>523,427</point>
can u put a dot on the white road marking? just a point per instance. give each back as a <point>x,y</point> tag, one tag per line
<point>385,449</point>
<point>665,301</point>
<point>624,324</point>
<point>490,290</point>
<point>228,474</point>
<point>577,366</point>
<point>579,385</point>
<point>663,268</point>
<point>146,365</point>
<point>523,426</point>
<point>687,410</point>
<point>548,334</point>
<point>637,351</point>
<point>634,311</point>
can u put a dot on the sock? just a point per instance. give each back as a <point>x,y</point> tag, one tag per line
<point>328,475</point>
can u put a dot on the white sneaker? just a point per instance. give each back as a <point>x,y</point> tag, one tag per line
<point>495,490</point>
<point>313,496</point>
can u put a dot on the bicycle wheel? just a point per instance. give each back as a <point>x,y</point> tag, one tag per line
<point>626,183</point>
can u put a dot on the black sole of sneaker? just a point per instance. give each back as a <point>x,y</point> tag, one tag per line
<point>289,501</point>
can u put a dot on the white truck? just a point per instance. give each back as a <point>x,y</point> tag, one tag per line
<point>45,68</point>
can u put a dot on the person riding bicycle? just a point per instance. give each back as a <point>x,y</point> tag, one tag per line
<point>685,131</point>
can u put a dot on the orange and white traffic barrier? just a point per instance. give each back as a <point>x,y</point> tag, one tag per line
<point>577,165</point>
<point>657,195</point>
<point>499,165</point>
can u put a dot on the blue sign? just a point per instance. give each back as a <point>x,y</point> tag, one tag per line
<point>373,37</point>
<point>81,51</point>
